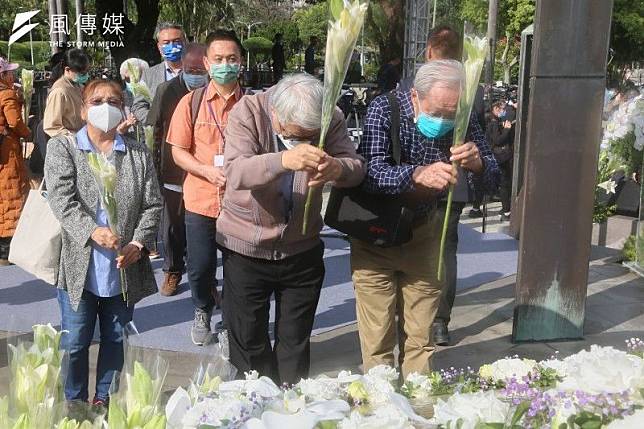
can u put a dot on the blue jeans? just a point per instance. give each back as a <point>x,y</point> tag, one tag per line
<point>202,259</point>
<point>113,314</point>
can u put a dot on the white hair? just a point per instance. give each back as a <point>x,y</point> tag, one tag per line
<point>135,62</point>
<point>448,72</point>
<point>297,100</point>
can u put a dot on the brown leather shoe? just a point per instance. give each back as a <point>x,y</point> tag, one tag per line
<point>170,284</point>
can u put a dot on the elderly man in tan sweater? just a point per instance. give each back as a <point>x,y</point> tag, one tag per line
<point>271,159</point>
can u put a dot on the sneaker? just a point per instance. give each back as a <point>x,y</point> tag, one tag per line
<point>170,284</point>
<point>4,263</point>
<point>154,255</point>
<point>102,403</point>
<point>475,213</point>
<point>200,331</point>
<point>505,216</point>
<point>440,333</point>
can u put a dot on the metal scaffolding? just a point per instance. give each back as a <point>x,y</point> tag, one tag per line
<point>417,23</point>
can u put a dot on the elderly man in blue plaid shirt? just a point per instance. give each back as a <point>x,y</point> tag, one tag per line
<point>402,281</point>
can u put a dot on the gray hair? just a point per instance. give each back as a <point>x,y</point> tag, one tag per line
<point>297,100</point>
<point>449,72</point>
<point>166,26</point>
<point>142,65</point>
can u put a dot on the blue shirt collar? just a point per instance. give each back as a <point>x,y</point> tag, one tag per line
<point>83,142</point>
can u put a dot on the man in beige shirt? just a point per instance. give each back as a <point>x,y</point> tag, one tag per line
<point>64,102</point>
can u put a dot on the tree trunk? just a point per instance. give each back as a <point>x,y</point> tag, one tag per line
<point>390,40</point>
<point>138,37</point>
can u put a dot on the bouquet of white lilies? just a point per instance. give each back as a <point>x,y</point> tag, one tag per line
<point>347,18</point>
<point>475,50</point>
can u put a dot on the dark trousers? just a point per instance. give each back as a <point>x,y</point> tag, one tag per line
<point>249,283</point>
<point>448,294</point>
<point>202,259</point>
<point>174,231</point>
<point>5,243</point>
<point>505,186</point>
<point>78,327</point>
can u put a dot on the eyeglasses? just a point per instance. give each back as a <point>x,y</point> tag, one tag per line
<point>196,71</point>
<point>112,101</point>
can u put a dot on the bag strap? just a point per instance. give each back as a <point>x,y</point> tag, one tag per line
<point>195,103</point>
<point>394,131</point>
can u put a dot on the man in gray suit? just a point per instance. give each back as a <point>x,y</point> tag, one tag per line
<point>170,40</point>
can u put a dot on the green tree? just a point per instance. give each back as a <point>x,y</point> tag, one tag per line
<point>198,17</point>
<point>627,30</point>
<point>137,35</point>
<point>386,27</point>
<point>312,21</point>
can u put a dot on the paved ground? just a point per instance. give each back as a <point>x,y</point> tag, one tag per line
<point>480,328</point>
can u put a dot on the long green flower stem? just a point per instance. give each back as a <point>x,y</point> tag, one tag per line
<point>448,208</point>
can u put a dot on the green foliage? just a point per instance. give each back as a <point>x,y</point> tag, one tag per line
<point>198,17</point>
<point>629,252</point>
<point>312,21</point>
<point>21,53</point>
<point>626,31</point>
<point>624,150</point>
<point>257,45</point>
<point>513,16</point>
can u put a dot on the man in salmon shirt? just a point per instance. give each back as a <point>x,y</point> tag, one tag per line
<point>199,151</point>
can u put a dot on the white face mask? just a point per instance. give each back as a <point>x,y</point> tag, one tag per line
<point>290,144</point>
<point>105,117</point>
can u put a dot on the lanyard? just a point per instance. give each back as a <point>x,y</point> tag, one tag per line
<point>214,117</point>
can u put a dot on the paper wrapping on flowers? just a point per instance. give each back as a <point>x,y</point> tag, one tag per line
<point>27,80</point>
<point>347,19</point>
<point>148,132</point>
<point>475,50</point>
<point>135,400</point>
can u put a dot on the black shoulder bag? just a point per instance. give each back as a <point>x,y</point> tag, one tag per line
<point>380,219</point>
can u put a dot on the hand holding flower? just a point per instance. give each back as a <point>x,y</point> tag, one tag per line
<point>467,156</point>
<point>437,176</point>
<point>104,237</point>
<point>303,157</point>
<point>328,170</point>
<point>129,255</point>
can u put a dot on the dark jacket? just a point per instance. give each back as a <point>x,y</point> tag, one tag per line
<point>166,98</point>
<point>500,140</point>
<point>309,60</point>
<point>279,62</point>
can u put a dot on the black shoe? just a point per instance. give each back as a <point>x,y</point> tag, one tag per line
<point>505,217</point>
<point>440,333</point>
<point>475,213</point>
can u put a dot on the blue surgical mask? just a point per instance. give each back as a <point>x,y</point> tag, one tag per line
<point>195,80</point>
<point>224,73</point>
<point>503,114</point>
<point>81,79</point>
<point>172,51</point>
<point>128,87</point>
<point>433,127</point>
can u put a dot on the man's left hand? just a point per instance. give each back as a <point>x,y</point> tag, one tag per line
<point>467,156</point>
<point>128,255</point>
<point>330,169</point>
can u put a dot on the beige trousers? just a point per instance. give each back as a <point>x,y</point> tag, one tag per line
<point>398,281</point>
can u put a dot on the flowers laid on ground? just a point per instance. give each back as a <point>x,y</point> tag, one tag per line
<point>598,388</point>
<point>344,29</point>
